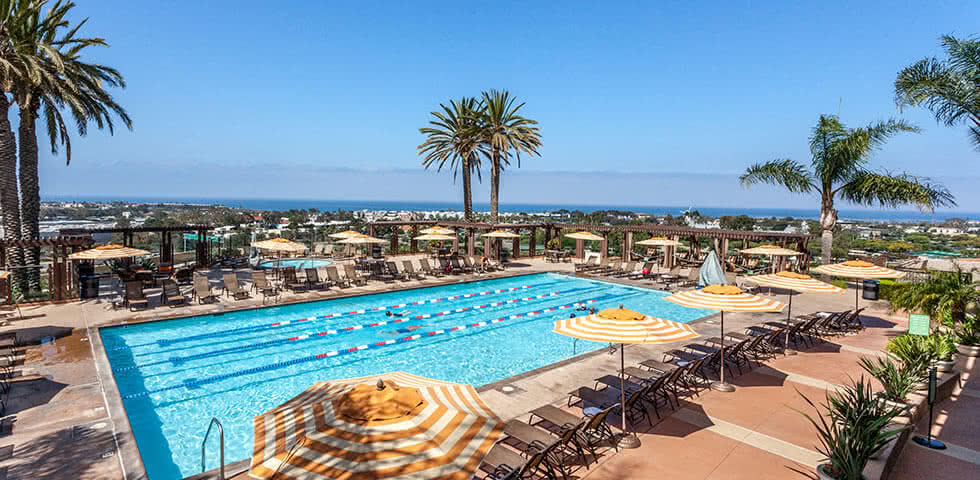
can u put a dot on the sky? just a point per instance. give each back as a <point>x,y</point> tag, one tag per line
<point>646,103</point>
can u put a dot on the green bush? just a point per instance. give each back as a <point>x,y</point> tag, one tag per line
<point>897,382</point>
<point>840,283</point>
<point>914,353</point>
<point>941,347</point>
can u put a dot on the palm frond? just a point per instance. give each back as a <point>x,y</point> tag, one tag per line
<point>886,190</point>
<point>786,173</point>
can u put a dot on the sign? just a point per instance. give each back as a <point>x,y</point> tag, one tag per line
<point>918,324</point>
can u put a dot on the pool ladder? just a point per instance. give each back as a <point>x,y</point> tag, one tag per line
<point>221,441</point>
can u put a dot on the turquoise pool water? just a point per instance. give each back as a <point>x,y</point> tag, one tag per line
<point>175,375</point>
<point>296,262</point>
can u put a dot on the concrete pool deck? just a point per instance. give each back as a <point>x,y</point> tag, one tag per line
<point>60,427</point>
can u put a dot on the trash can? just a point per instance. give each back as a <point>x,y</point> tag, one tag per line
<point>90,286</point>
<point>870,290</point>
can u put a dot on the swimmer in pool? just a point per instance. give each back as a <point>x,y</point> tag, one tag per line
<point>397,314</point>
<point>592,310</point>
<point>406,329</point>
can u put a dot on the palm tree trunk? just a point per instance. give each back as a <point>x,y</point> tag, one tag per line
<point>9,199</point>
<point>828,220</point>
<point>30,192</point>
<point>467,191</point>
<point>494,184</point>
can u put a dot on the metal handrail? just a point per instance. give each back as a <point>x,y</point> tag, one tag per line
<point>221,441</point>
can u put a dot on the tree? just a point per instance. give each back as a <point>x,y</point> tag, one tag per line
<point>454,139</point>
<point>504,133</point>
<point>839,168</point>
<point>739,222</point>
<point>949,88</point>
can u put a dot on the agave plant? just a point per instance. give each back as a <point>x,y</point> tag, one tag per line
<point>897,382</point>
<point>913,351</point>
<point>856,427</point>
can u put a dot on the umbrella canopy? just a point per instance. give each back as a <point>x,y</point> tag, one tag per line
<point>796,282</point>
<point>4,274</point>
<point>392,426</point>
<point>108,252</point>
<point>774,250</point>
<point>858,269</point>
<point>659,242</point>
<point>583,235</point>
<point>435,237</point>
<point>500,234</point>
<point>361,240</point>
<point>437,230</point>
<point>344,234</point>
<point>727,298</point>
<point>280,245</point>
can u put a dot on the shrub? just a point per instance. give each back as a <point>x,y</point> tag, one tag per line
<point>966,332</point>
<point>554,244</point>
<point>897,382</point>
<point>941,347</point>
<point>913,351</point>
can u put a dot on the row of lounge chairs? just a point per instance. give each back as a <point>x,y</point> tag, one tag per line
<point>654,383</point>
<point>135,296</point>
<point>638,271</point>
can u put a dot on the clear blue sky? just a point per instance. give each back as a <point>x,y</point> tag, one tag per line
<point>639,103</point>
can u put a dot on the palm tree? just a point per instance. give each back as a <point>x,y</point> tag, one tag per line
<point>453,138</point>
<point>945,296</point>
<point>949,88</point>
<point>504,133</point>
<point>838,168</point>
<point>64,81</point>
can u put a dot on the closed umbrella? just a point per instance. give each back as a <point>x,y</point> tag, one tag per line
<point>794,282</point>
<point>108,252</point>
<point>621,325</point>
<point>726,298</point>
<point>858,270</point>
<point>393,426</point>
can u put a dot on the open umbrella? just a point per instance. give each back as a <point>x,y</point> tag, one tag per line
<point>344,234</point>
<point>858,270</point>
<point>435,237</point>
<point>620,325</point>
<point>771,251</point>
<point>794,282</point>
<point>583,235</point>
<point>108,252</point>
<point>437,230</point>
<point>361,239</point>
<point>392,426</point>
<point>660,242</point>
<point>280,245</point>
<point>726,298</point>
<point>500,234</point>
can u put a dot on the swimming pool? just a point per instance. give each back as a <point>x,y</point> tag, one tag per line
<point>174,375</point>
<point>296,262</point>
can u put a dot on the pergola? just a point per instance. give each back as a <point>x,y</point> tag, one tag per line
<point>720,237</point>
<point>203,254</point>
<point>59,273</point>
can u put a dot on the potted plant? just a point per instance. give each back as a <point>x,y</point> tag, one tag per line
<point>913,351</point>
<point>856,427</point>
<point>967,335</point>
<point>950,296</point>
<point>897,383</point>
<point>941,349</point>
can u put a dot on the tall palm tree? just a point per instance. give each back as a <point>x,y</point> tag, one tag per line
<point>66,82</point>
<point>452,138</point>
<point>839,168</point>
<point>949,88</point>
<point>505,133</point>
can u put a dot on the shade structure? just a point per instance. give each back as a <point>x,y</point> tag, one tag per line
<point>437,230</point>
<point>391,426</point>
<point>858,270</point>
<point>361,240</point>
<point>794,282</point>
<point>583,235</point>
<point>621,325</point>
<point>659,242</point>
<point>726,298</point>
<point>108,252</point>
<point>500,234</point>
<point>282,245</point>
<point>344,234</point>
<point>435,237</point>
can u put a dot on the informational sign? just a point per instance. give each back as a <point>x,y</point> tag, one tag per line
<point>918,324</point>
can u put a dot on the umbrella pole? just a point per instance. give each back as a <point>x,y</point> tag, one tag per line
<point>629,440</point>
<point>789,312</point>
<point>857,285</point>
<point>722,386</point>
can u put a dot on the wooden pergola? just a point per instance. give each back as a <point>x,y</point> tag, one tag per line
<point>202,253</point>
<point>59,273</point>
<point>720,237</point>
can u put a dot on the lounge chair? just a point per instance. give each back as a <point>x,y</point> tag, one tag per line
<point>232,287</point>
<point>393,271</point>
<point>610,267</point>
<point>635,408</point>
<point>469,263</point>
<point>352,276</point>
<point>410,270</point>
<point>447,267</point>
<point>135,296</point>
<point>290,282</point>
<point>506,464</point>
<point>586,265</point>
<point>629,268</point>
<point>171,294</point>
<point>639,275</point>
<point>202,290</point>
<point>427,268</point>
<point>184,276</point>
<point>313,279</point>
<point>336,279</point>
<point>261,284</point>
<point>562,448</point>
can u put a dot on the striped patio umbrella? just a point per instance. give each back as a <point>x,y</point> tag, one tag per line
<point>583,235</point>
<point>4,274</point>
<point>280,245</point>
<point>620,325</point>
<point>726,298</point>
<point>858,270</point>
<point>438,230</point>
<point>108,252</point>
<point>435,237</point>
<point>391,426</point>
<point>794,282</point>
<point>344,234</point>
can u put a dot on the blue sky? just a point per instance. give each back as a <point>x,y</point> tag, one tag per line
<point>639,103</point>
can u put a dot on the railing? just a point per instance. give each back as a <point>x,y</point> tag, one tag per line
<point>221,441</point>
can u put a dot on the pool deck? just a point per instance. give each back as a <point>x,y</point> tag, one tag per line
<point>58,422</point>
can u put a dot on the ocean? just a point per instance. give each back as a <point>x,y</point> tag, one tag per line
<point>881,215</point>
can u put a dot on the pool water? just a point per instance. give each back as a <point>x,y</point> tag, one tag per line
<point>296,262</point>
<point>175,375</point>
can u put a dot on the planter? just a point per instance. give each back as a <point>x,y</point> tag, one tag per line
<point>944,366</point>
<point>906,408</point>
<point>823,475</point>
<point>968,350</point>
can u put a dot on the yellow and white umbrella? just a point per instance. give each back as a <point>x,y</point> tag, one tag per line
<point>281,245</point>
<point>344,234</point>
<point>771,251</point>
<point>435,237</point>
<point>725,298</point>
<point>621,325</point>
<point>858,270</point>
<point>361,239</point>
<point>659,242</point>
<point>583,235</point>
<point>794,282</point>
<point>438,230</point>
<point>392,426</point>
<point>500,234</point>
<point>108,252</point>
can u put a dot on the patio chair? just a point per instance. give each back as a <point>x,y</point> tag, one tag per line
<point>135,296</point>
<point>603,270</point>
<point>232,287</point>
<point>184,276</point>
<point>472,265</point>
<point>446,267</point>
<point>635,409</point>
<point>392,268</point>
<point>456,265</point>
<point>171,294</point>
<point>640,275</point>
<point>352,276</point>
<point>629,268</point>
<point>313,279</point>
<point>290,282</point>
<point>586,265</point>
<point>427,268</point>
<point>410,270</point>
<point>336,279</point>
<point>261,284</point>
<point>506,464</point>
<point>202,290</point>
<point>560,450</point>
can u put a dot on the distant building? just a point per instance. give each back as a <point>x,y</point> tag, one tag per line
<point>946,230</point>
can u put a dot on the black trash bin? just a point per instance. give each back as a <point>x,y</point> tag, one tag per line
<point>870,289</point>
